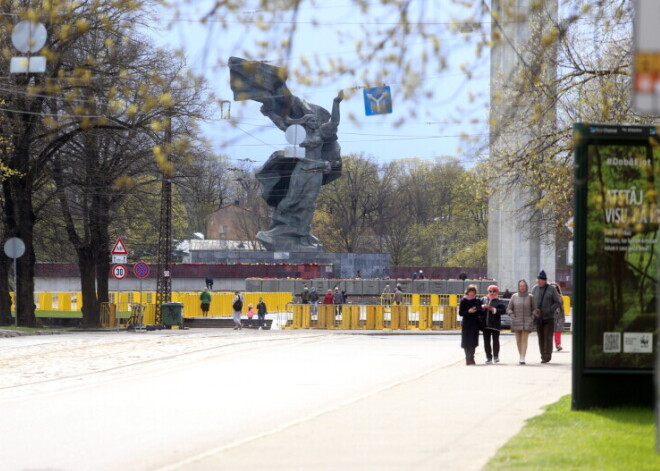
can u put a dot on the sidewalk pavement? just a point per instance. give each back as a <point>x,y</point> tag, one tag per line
<point>456,417</point>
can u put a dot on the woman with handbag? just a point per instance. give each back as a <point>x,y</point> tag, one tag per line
<point>521,308</point>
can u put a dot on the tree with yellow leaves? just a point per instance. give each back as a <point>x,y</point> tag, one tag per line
<point>93,123</point>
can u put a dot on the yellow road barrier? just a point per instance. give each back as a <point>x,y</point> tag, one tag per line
<point>399,319</point>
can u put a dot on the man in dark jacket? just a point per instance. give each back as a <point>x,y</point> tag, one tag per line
<point>546,302</point>
<point>314,301</point>
<point>338,300</point>
<point>304,296</point>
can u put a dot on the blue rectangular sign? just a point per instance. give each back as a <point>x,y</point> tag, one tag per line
<point>377,100</point>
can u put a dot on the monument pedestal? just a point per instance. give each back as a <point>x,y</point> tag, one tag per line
<point>340,265</point>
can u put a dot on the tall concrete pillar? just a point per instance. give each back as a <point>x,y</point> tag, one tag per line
<point>518,246</point>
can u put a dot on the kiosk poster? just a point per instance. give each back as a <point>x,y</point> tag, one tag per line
<point>623,218</point>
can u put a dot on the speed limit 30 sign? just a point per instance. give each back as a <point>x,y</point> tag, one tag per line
<point>119,272</point>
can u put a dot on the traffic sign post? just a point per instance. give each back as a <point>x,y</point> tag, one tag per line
<point>28,37</point>
<point>120,259</point>
<point>119,256</point>
<point>141,270</point>
<point>119,248</point>
<point>377,100</point>
<point>119,272</point>
<point>15,248</point>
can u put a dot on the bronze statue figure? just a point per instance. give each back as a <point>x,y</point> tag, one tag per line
<point>290,184</point>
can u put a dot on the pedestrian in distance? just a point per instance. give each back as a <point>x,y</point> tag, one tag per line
<point>329,297</point>
<point>314,301</point>
<point>338,300</point>
<point>250,314</point>
<point>560,319</point>
<point>398,296</point>
<point>546,303</point>
<point>209,283</point>
<point>521,308</point>
<point>493,308</point>
<point>261,313</point>
<point>470,309</point>
<point>237,306</point>
<point>304,296</point>
<point>205,298</point>
<point>387,296</point>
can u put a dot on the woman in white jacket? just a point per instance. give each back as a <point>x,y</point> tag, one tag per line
<point>521,307</point>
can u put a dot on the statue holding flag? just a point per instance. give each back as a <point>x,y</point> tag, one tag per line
<point>290,184</point>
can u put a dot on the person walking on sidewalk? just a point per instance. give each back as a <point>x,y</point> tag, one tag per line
<point>493,308</point>
<point>560,319</point>
<point>470,309</point>
<point>261,313</point>
<point>205,299</point>
<point>237,306</point>
<point>546,302</point>
<point>520,309</point>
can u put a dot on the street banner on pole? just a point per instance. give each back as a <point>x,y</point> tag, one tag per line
<point>646,75</point>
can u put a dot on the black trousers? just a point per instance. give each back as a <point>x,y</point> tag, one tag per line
<point>545,330</point>
<point>495,335</point>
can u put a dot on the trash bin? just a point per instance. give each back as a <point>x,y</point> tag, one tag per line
<point>172,314</point>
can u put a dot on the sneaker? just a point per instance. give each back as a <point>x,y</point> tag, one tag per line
<point>260,328</point>
<point>496,359</point>
<point>489,362</point>
<point>559,349</point>
<point>522,362</point>
<point>235,328</point>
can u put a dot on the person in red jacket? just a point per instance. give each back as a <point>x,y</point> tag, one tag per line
<point>328,298</point>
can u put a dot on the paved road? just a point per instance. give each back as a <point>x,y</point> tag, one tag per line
<point>261,400</point>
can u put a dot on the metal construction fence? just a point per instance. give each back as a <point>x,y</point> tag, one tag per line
<point>368,317</point>
<point>416,311</point>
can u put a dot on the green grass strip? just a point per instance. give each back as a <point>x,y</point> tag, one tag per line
<point>598,439</point>
<point>73,314</point>
<point>59,314</point>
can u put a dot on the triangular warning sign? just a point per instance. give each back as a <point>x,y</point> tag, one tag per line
<point>119,248</point>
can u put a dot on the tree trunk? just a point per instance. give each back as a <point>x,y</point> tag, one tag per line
<point>19,222</point>
<point>90,305</point>
<point>101,238</point>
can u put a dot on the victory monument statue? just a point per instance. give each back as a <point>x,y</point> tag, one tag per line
<point>291,182</point>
